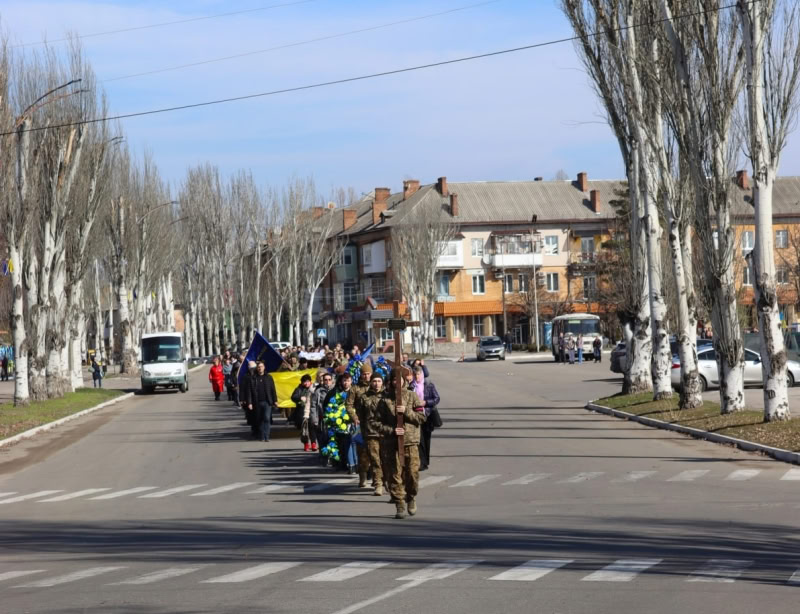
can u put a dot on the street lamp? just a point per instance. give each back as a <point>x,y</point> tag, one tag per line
<point>536,238</point>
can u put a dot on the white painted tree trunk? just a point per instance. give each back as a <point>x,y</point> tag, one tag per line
<point>99,324</point>
<point>129,360</point>
<point>111,339</point>
<point>690,393</point>
<point>59,380</point>
<point>38,310</point>
<point>310,322</point>
<point>76,349</point>
<point>170,303</point>
<point>18,331</point>
<point>211,341</point>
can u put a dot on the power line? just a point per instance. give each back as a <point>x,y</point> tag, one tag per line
<point>384,73</point>
<point>169,23</point>
<point>299,43</point>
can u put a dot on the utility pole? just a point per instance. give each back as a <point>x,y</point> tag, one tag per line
<point>535,240</point>
<point>503,290</point>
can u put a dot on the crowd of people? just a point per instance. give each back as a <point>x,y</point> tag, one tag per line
<point>571,345</point>
<point>348,416</point>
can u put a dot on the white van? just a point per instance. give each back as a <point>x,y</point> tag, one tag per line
<point>163,362</point>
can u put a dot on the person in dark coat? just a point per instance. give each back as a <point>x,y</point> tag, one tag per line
<point>97,374</point>
<point>244,395</point>
<point>263,397</point>
<point>426,390</point>
<point>301,397</point>
<point>347,456</point>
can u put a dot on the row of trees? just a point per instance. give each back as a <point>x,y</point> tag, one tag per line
<point>90,228</point>
<point>686,85</point>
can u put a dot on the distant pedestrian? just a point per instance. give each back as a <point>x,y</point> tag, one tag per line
<point>262,399</point>
<point>4,371</point>
<point>301,397</point>
<point>562,348</point>
<point>244,395</point>
<point>597,346</point>
<point>571,349</point>
<point>509,342</point>
<point>580,349</point>
<point>97,374</point>
<point>216,377</point>
<point>227,369</point>
<point>426,390</point>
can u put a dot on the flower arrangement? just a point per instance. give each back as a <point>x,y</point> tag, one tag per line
<point>382,367</point>
<point>336,420</point>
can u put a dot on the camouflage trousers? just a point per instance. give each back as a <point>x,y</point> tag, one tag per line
<point>403,481</point>
<point>369,456</point>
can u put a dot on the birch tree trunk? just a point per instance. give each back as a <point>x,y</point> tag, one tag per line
<point>111,340</point>
<point>18,331</point>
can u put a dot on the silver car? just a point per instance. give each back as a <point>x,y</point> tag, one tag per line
<point>490,347</point>
<point>709,373</point>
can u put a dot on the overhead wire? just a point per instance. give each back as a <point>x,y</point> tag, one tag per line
<point>166,23</point>
<point>300,43</point>
<point>397,71</point>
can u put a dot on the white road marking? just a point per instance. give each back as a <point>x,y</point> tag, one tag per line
<point>70,577</point>
<point>382,597</point>
<point>345,572</point>
<point>582,477</point>
<point>10,575</point>
<point>171,491</point>
<point>623,570</point>
<point>273,488</point>
<point>792,474</point>
<point>35,495</point>
<point>251,573</point>
<point>743,474</point>
<point>527,479</point>
<point>475,480</point>
<point>433,479</point>
<point>635,476</point>
<point>74,495</point>
<point>440,571</point>
<point>221,489</point>
<point>720,570</point>
<point>689,475</point>
<point>328,484</point>
<point>157,576</point>
<point>795,579</point>
<point>122,493</point>
<point>532,570</point>
<point>5,494</point>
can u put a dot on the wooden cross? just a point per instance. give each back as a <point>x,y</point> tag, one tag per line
<point>399,325</point>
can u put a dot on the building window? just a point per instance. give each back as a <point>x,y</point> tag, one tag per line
<point>441,327</point>
<point>508,283</point>
<point>523,282</point>
<point>551,245</point>
<point>477,326</point>
<point>782,276</point>
<point>781,239</point>
<point>747,241</point>
<point>450,249</point>
<point>477,248</point>
<point>587,249</point>
<point>366,255</point>
<point>386,335</point>
<point>746,281</point>
<point>443,284</point>
<point>350,295</point>
<point>552,282</point>
<point>345,257</point>
<point>478,284</point>
<point>379,289</point>
<point>459,327</point>
<point>589,287</point>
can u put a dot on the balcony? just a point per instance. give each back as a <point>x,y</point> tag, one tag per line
<point>515,261</point>
<point>451,261</point>
<point>581,263</point>
<point>445,298</point>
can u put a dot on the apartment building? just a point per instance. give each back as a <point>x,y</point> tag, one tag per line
<point>520,246</point>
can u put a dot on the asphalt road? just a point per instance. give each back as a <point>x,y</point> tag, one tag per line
<point>532,504</point>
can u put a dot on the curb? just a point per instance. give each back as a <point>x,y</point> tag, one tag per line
<point>51,425</point>
<point>776,453</point>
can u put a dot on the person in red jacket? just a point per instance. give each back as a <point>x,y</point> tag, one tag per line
<point>217,378</point>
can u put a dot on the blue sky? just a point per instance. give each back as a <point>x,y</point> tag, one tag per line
<point>510,117</point>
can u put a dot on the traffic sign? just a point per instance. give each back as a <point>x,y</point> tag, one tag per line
<point>396,324</point>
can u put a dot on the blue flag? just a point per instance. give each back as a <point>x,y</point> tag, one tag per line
<point>366,353</point>
<point>260,349</point>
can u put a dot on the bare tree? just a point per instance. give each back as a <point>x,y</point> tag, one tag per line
<point>772,52</point>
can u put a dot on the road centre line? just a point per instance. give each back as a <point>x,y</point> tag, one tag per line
<point>70,577</point>
<point>122,493</point>
<point>532,570</point>
<point>251,573</point>
<point>35,495</point>
<point>345,572</point>
<point>623,570</point>
<point>171,491</point>
<point>440,571</point>
<point>221,489</point>
<point>273,487</point>
<point>74,495</point>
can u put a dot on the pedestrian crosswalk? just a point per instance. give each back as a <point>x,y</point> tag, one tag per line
<point>125,574</point>
<point>320,484</point>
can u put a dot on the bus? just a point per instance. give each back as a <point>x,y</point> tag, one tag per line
<point>573,325</point>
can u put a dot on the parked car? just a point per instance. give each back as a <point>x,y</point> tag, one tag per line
<point>490,347</point>
<point>709,372</point>
<point>618,356</point>
<point>752,341</point>
<point>280,345</point>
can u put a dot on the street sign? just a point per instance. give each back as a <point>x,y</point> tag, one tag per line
<point>396,324</point>
<point>322,333</point>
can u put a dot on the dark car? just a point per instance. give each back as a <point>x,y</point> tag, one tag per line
<point>490,347</point>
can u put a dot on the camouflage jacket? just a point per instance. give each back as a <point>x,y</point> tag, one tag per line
<point>351,402</point>
<point>367,408</point>
<point>384,419</point>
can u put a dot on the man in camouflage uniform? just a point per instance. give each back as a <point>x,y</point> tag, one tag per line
<point>352,404</point>
<point>403,481</point>
<point>367,406</point>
